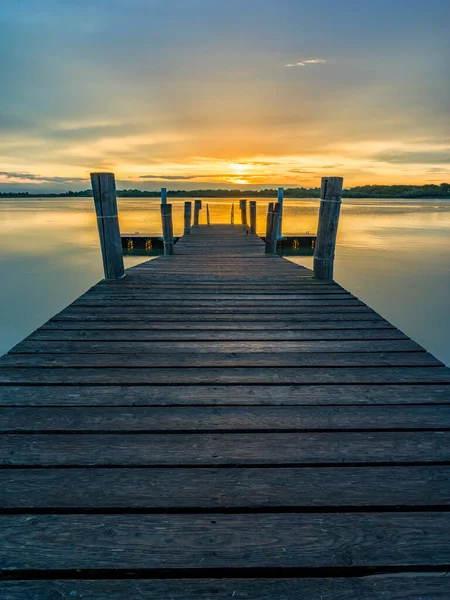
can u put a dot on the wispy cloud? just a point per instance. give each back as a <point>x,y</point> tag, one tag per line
<point>200,176</point>
<point>304,63</point>
<point>31,177</point>
<point>169,177</point>
<point>424,157</point>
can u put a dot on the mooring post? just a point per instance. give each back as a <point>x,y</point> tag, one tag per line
<point>280,216</point>
<point>167,228</point>
<point>163,195</point>
<point>268,226</point>
<point>330,207</point>
<point>187,218</point>
<point>243,205</point>
<point>208,219</point>
<point>197,208</point>
<point>105,201</point>
<point>232,214</point>
<point>252,216</point>
<point>274,229</point>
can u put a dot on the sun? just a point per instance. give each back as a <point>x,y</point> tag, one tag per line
<point>238,180</point>
<point>238,168</point>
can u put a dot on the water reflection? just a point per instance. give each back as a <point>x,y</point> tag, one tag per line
<point>394,255</point>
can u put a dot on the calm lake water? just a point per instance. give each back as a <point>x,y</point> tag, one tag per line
<point>393,254</point>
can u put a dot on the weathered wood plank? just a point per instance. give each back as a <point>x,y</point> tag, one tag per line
<point>217,541</point>
<point>427,586</point>
<point>127,303</point>
<point>215,325</point>
<point>192,347</point>
<point>220,395</point>
<point>218,375</point>
<point>187,296</point>
<point>142,335</point>
<point>234,360</point>
<point>303,308</point>
<point>223,375</point>
<point>178,488</point>
<point>244,449</point>
<point>129,285</point>
<point>242,418</point>
<point>279,319</point>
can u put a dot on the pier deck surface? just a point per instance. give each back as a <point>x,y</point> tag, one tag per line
<point>218,424</point>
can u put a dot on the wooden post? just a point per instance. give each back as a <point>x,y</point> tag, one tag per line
<point>105,201</point>
<point>197,208</point>
<point>280,217</point>
<point>187,218</point>
<point>274,229</point>
<point>163,195</point>
<point>330,206</point>
<point>167,228</point>
<point>208,218</point>
<point>232,214</point>
<point>243,205</point>
<point>252,216</point>
<point>269,226</point>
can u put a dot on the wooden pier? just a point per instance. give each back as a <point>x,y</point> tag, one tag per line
<point>218,424</point>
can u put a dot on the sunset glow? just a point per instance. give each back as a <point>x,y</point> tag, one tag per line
<point>259,100</point>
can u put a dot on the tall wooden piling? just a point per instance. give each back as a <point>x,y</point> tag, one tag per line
<point>167,228</point>
<point>253,216</point>
<point>208,218</point>
<point>280,216</point>
<point>197,209</point>
<point>187,218</point>
<point>232,214</point>
<point>274,229</point>
<point>330,206</point>
<point>163,195</point>
<point>269,226</point>
<point>243,206</point>
<point>105,201</point>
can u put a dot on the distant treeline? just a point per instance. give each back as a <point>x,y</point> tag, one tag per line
<point>362,191</point>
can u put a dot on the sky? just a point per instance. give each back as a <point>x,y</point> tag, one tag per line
<point>220,94</point>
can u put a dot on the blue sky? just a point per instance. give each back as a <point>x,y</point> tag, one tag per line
<point>197,93</point>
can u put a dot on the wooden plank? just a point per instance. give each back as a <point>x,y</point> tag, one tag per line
<point>222,310</point>
<point>142,335</point>
<point>215,541</point>
<point>242,418</point>
<point>130,285</point>
<point>213,303</point>
<point>426,586</point>
<point>224,375</point>
<point>227,305</point>
<point>279,319</point>
<point>220,359</point>
<point>211,297</point>
<point>239,326</point>
<point>288,449</point>
<point>257,488</point>
<point>193,347</point>
<point>220,395</point>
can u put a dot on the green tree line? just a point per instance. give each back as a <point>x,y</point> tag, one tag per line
<point>362,191</point>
